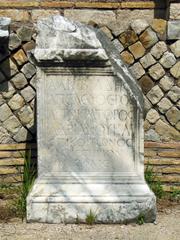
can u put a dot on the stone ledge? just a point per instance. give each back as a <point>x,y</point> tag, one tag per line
<point>81,4</point>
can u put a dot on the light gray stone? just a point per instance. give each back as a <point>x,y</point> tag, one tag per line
<point>5,112</point>
<point>14,41</point>
<point>152,116</point>
<point>139,25</point>
<point>166,83</point>
<point>118,45</point>
<point>19,81</point>
<point>168,60</point>
<point>25,33</point>
<point>151,135</point>
<point>174,94</point>
<point>158,49</point>
<point>29,70</point>
<point>21,135</point>
<point>107,32</point>
<point>137,70</point>
<point>173,115</point>
<point>173,30</point>
<point>88,118</point>
<point>7,90</point>
<point>155,94</point>
<point>164,105</point>
<point>4,27</point>
<point>156,71</point>
<point>28,93</point>
<point>147,105</point>
<point>12,124</point>
<point>175,70</point>
<point>174,11</point>
<point>16,102</point>
<point>5,137</point>
<point>175,48</point>
<point>33,81</point>
<point>147,60</point>
<point>25,115</point>
<point>178,104</point>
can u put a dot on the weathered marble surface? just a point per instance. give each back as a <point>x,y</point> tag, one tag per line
<point>90,134</point>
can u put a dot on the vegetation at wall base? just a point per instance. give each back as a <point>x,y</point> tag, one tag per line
<point>155,185</point>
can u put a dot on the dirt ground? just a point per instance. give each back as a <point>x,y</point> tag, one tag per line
<point>167,227</point>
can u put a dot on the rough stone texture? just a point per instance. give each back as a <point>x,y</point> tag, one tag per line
<point>25,33</point>
<point>16,102</point>
<point>137,70</point>
<point>174,94</point>
<point>166,83</point>
<point>166,131</point>
<point>4,27</point>
<point>5,112</point>
<point>175,48</point>
<point>20,57</point>
<point>173,115</point>
<point>137,50</point>
<point>127,57</point>
<point>14,41</point>
<point>168,60</point>
<point>173,30</point>
<point>25,115</point>
<point>118,45</point>
<point>7,90</point>
<point>159,26</point>
<point>139,25</point>
<point>120,202</point>
<point>156,71</point>
<point>147,60</point>
<point>175,70</point>
<point>128,37</point>
<point>152,116</point>
<point>174,11</point>
<point>148,38</point>
<point>19,81</point>
<point>107,32</point>
<point>151,135</point>
<point>155,94</point>
<point>158,49</point>
<point>21,135</point>
<point>146,83</point>
<point>12,124</point>
<point>29,70</point>
<point>9,68</point>
<point>164,105</point>
<point>28,93</point>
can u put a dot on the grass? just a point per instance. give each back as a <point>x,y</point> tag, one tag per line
<point>91,218</point>
<point>29,175</point>
<point>155,185</point>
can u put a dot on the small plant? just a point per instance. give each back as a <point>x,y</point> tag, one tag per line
<point>140,219</point>
<point>28,178</point>
<point>91,217</point>
<point>175,194</point>
<point>155,185</point>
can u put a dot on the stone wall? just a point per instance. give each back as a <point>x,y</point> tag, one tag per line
<point>144,46</point>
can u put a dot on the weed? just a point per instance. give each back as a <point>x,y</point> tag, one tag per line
<point>140,219</point>
<point>28,178</point>
<point>91,217</point>
<point>175,194</point>
<point>155,185</point>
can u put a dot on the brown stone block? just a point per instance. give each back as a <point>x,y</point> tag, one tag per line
<point>150,153</point>
<point>42,13</point>
<point>99,5</point>
<point>19,4</point>
<point>20,57</point>
<point>172,154</point>
<point>170,188</point>
<point>175,145</point>
<point>16,15</point>
<point>127,57</point>
<point>57,4</point>
<point>29,46</point>
<point>128,37</point>
<point>159,25</point>
<point>162,161</point>
<point>11,179</point>
<point>137,50</point>
<point>17,146</point>
<point>8,170</point>
<point>11,161</point>
<point>146,83</point>
<point>148,38</point>
<point>139,4</point>
<point>167,178</point>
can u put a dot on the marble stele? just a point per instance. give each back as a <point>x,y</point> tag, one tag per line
<point>90,130</point>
